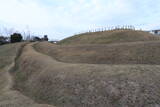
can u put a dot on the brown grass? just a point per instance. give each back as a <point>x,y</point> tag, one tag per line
<point>120,53</point>
<point>86,85</point>
<point>124,73</point>
<point>8,53</point>
<point>8,96</point>
<point>108,37</point>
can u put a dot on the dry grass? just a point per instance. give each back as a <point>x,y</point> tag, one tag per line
<point>107,37</point>
<point>120,53</point>
<point>42,74</point>
<point>8,96</point>
<point>86,85</point>
<point>7,56</point>
<point>8,53</point>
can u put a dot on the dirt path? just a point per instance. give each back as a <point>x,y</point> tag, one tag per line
<point>7,78</point>
<point>10,97</point>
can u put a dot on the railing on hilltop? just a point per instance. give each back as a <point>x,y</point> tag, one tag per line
<point>103,29</point>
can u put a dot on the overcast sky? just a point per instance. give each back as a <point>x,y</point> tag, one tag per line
<point>62,18</point>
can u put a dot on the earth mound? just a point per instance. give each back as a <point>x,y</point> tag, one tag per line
<point>107,37</point>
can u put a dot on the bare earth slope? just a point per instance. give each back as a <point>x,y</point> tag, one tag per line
<point>46,80</point>
<point>8,96</point>
<point>107,37</point>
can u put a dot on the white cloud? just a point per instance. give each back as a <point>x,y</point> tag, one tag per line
<point>23,13</point>
<point>62,18</point>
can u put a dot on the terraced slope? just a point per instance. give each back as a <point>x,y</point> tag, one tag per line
<point>118,53</point>
<point>47,80</point>
<point>107,37</point>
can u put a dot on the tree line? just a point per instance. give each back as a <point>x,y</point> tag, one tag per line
<point>17,37</point>
<point>11,35</point>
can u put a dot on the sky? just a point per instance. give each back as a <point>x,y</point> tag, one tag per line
<point>63,18</point>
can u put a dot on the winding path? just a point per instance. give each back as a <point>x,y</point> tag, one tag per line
<point>10,97</point>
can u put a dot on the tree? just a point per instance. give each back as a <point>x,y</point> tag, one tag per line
<point>36,39</point>
<point>16,37</point>
<point>3,40</point>
<point>45,38</point>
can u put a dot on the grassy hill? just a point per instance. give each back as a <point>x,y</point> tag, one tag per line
<point>84,73</point>
<point>47,80</point>
<point>107,37</point>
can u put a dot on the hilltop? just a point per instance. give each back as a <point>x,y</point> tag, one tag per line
<point>107,37</point>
